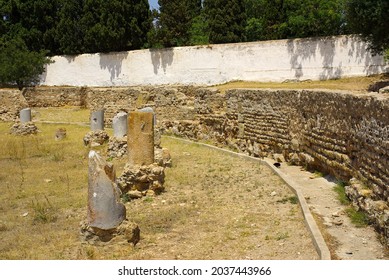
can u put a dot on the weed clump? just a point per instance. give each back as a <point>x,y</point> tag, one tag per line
<point>44,212</point>
<point>357,217</point>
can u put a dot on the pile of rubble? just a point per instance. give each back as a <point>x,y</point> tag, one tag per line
<point>96,138</point>
<point>27,128</point>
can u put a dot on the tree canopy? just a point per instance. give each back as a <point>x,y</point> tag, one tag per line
<point>370,18</point>
<point>226,20</point>
<point>18,65</point>
<point>174,22</point>
<point>281,19</point>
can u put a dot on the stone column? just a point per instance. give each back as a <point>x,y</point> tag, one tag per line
<point>119,125</point>
<point>149,110</point>
<point>105,211</point>
<point>97,120</point>
<point>25,115</point>
<point>141,138</point>
<point>157,133</point>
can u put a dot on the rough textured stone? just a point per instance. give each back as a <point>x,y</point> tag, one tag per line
<point>22,129</point>
<point>117,147</point>
<point>163,157</point>
<point>12,101</point>
<point>105,211</point>
<point>96,138</point>
<point>142,178</point>
<point>126,232</point>
<point>60,134</point>
<point>141,138</point>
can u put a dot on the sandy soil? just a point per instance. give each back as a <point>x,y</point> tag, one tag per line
<point>217,207</point>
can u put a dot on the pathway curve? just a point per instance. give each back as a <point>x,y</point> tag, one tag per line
<point>348,241</point>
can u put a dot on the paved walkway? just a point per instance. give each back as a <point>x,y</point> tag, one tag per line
<point>351,243</point>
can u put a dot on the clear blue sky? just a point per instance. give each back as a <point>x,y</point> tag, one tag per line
<point>153,4</point>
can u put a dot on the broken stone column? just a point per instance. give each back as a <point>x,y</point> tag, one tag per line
<point>149,110</point>
<point>157,132</point>
<point>97,120</point>
<point>25,115</point>
<point>105,211</point>
<point>119,125</point>
<point>141,138</point>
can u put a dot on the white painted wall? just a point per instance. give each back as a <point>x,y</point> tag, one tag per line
<point>298,59</point>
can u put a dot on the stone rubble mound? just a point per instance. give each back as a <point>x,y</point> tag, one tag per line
<point>23,129</point>
<point>147,179</point>
<point>117,147</point>
<point>96,138</point>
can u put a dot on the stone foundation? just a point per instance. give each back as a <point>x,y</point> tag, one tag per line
<point>126,232</point>
<point>117,147</point>
<point>96,138</point>
<point>146,179</point>
<point>22,129</point>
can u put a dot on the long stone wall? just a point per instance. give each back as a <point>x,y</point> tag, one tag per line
<point>277,61</point>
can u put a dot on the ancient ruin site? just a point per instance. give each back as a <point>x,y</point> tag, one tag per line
<point>205,159</point>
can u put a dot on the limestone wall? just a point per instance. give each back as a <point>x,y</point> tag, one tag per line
<point>168,102</point>
<point>11,102</point>
<point>55,96</point>
<point>297,59</point>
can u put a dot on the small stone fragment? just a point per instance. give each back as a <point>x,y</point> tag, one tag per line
<point>60,134</point>
<point>135,194</point>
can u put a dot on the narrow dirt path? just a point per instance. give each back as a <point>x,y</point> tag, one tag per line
<point>347,242</point>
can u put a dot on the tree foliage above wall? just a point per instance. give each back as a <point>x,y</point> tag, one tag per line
<point>77,26</point>
<point>370,18</point>
<point>226,20</point>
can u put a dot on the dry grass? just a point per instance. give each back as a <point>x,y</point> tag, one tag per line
<point>355,84</point>
<point>215,207</point>
<point>43,189</point>
<point>68,115</point>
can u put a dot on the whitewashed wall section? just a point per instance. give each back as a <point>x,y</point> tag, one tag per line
<point>297,59</point>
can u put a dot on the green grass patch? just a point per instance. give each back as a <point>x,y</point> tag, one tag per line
<point>358,218</point>
<point>341,194</point>
<point>290,199</point>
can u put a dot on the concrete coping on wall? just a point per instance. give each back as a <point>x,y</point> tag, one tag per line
<point>317,238</point>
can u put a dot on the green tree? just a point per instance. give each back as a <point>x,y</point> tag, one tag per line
<point>309,18</point>
<point>370,18</point>
<point>174,22</point>
<point>34,21</point>
<point>226,20</point>
<point>70,32</point>
<point>18,65</point>
<point>115,25</point>
<point>281,19</point>
<point>198,32</point>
